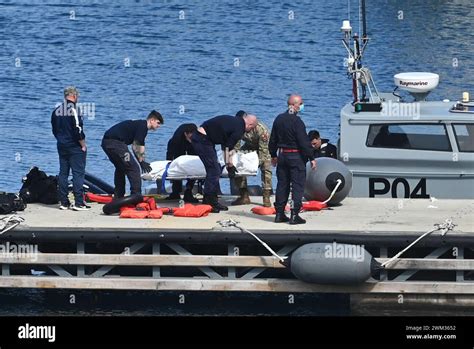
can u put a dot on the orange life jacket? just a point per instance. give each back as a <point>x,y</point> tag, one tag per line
<point>134,214</point>
<point>150,201</point>
<point>143,206</point>
<point>314,206</point>
<point>155,214</point>
<point>189,210</point>
<point>261,210</point>
<point>127,207</point>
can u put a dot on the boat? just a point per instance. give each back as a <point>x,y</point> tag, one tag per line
<point>401,144</point>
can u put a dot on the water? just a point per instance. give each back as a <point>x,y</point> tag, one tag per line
<point>189,65</point>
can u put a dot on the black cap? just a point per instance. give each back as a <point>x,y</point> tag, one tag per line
<point>241,113</point>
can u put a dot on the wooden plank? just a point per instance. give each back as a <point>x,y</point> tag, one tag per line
<point>257,285</point>
<point>147,260</point>
<point>430,264</point>
<point>183,252</point>
<point>404,276</point>
<point>107,268</point>
<point>214,261</point>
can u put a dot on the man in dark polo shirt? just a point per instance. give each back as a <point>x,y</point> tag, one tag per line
<point>225,130</point>
<point>115,144</point>
<point>290,149</point>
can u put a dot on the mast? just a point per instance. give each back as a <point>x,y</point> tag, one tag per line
<point>360,75</point>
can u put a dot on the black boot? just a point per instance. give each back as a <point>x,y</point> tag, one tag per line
<point>281,217</point>
<point>295,218</point>
<point>188,197</point>
<point>215,203</point>
<point>173,196</point>
<point>207,200</point>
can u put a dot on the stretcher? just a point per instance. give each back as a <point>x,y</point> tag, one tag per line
<point>191,167</point>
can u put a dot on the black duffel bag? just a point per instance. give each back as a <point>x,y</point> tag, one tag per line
<point>10,202</point>
<point>39,187</point>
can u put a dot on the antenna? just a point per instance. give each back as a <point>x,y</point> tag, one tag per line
<point>361,77</point>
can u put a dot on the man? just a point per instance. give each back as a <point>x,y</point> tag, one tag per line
<point>290,140</point>
<point>322,147</point>
<point>225,130</point>
<point>180,144</point>
<point>255,140</point>
<point>67,124</point>
<point>115,144</point>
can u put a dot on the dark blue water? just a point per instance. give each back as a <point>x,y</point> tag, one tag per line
<point>186,68</point>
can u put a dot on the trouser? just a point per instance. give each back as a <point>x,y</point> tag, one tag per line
<point>125,165</point>
<point>71,157</point>
<point>177,185</point>
<point>291,170</point>
<point>206,151</point>
<point>266,173</point>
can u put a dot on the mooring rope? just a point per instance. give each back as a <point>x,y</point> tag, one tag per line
<point>444,227</point>
<point>232,223</point>
<point>339,182</point>
<point>10,222</point>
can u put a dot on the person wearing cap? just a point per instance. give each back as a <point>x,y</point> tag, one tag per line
<point>322,147</point>
<point>115,144</point>
<point>255,140</point>
<point>290,149</point>
<point>68,129</point>
<point>225,130</point>
<point>180,144</point>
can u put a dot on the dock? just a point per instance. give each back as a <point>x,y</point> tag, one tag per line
<point>89,250</point>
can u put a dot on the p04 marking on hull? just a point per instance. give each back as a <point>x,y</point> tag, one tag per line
<point>418,192</point>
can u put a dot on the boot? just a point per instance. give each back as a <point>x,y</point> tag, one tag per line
<point>216,204</point>
<point>207,200</point>
<point>243,199</point>
<point>295,218</point>
<point>173,196</point>
<point>266,198</point>
<point>188,197</point>
<point>281,217</point>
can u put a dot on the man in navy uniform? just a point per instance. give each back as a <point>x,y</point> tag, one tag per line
<point>290,149</point>
<point>180,144</point>
<point>115,144</point>
<point>67,124</point>
<point>322,147</point>
<point>225,130</point>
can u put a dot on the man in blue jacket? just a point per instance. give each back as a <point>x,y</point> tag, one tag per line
<point>67,124</point>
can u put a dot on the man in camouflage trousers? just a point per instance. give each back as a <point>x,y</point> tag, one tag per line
<point>256,140</point>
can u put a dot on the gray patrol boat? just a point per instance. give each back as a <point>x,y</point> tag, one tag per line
<point>399,144</point>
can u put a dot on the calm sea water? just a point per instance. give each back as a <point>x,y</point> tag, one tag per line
<point>193,60</point>
<point>128,57</point>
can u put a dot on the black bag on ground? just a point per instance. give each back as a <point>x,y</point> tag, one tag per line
<point>10,202</point>
<point>39,187</point>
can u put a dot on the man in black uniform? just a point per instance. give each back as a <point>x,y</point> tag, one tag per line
<point>66,121</point>
<point>290,140</point>
<point>115,144</point>
<point>322,147</point>
<point>180,144</point>
<point>225,130</point>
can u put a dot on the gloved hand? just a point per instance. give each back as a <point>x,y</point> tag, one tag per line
<point>146,168</point>
<point>231,171</point>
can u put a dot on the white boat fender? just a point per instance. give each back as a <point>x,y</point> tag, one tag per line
<point>332,263</point>
<point>321,182</point>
